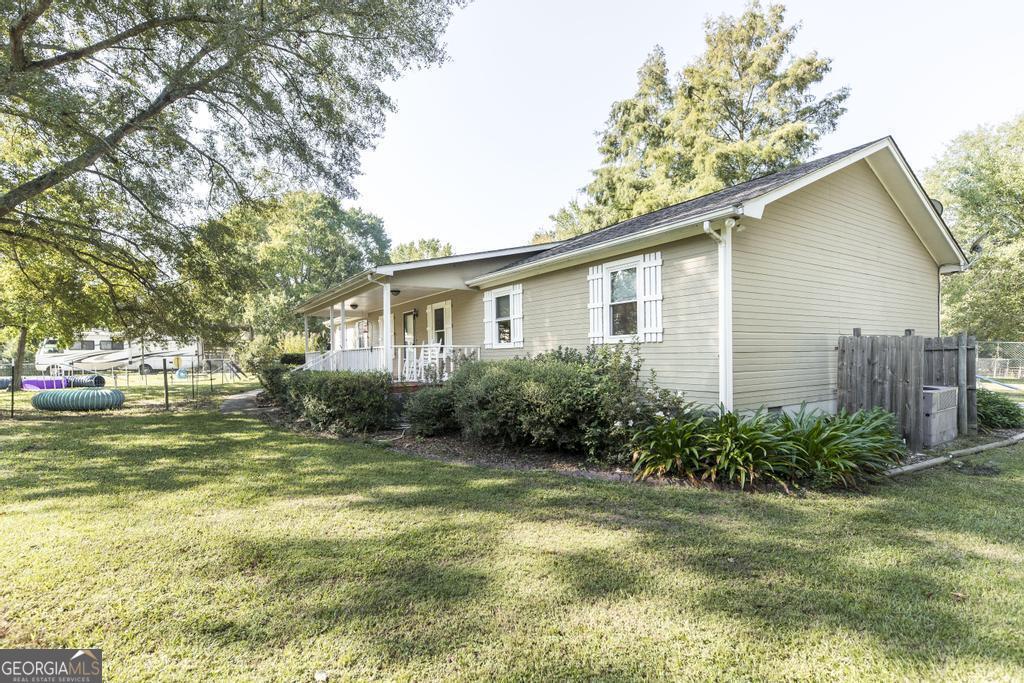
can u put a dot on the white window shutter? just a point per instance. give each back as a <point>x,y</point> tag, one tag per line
<point>651,326</point>
<point>595,281</point>
<point>488,320</point>
<point>449,339</point>
<point>516,304</point>
<point>430,323</point>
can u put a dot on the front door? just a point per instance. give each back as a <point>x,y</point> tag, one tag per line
<point>439,323</point>
<point>439,326</point>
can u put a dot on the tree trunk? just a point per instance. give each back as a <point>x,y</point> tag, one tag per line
<point>19,359</point>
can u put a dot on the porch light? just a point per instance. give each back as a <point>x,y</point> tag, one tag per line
<point>395,292</point>
<point>353,306</point>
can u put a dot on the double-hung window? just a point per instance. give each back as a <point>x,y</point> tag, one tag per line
<point>622,301</point>
<point>503,317</point>
<point>625,300</point>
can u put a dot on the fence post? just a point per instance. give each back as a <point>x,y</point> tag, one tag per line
<point>961,383</point>
<point>167,399</point>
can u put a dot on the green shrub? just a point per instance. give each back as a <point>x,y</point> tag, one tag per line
<point>997,411</point>
<point>292,359</point>
<point>431,411</point>
<point>588,403</point>
<point>272,377</point>
<point>258,353</point>
<point>342,401</point>
<point>844,449</point>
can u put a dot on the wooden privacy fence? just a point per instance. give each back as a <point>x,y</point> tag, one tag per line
<point>891,372</point>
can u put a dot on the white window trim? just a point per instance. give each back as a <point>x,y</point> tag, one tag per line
<point>613,267</point>
<point>513,291</point>
<point>497,294</point>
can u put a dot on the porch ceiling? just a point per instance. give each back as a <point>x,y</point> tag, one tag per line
<point>368,299</point>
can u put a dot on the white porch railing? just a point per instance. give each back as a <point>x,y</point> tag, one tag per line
<point>420,363</point>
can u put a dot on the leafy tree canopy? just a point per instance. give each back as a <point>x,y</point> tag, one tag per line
<point>299,244</point>
<point>980,180</point>
<point>743,109</point>
<point>125,125</point>
<point>420,249</point>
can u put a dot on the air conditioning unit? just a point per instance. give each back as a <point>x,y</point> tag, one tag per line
<point>940,423</point>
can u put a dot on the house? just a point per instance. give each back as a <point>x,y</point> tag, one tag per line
<point>737,297</point>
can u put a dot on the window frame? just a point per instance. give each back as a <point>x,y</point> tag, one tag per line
<point>496,294</point>
<point>111,345</point>
<point>635,263</point>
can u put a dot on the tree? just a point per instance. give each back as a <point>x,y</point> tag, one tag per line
<point>420,249</point>
<point>743,109</point>
<point>133,121</point>
<point>45,298</point>
<point>300,244</point>
<point>980,180</point>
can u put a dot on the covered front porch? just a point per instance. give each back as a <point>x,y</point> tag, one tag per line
<point>399,322</point>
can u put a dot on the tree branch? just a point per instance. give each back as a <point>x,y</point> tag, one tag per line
<point>17,33</point>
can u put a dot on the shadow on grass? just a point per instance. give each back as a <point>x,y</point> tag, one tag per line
<point>774,565</point>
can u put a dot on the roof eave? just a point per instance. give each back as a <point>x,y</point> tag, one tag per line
<point>526,269</point>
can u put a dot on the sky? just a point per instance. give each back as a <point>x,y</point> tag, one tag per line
<point>483,148</point>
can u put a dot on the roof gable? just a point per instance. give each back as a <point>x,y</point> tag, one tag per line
<point>750,199</point>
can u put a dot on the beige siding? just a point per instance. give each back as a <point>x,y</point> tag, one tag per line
<point>555,313</point>
<point>832,256</point>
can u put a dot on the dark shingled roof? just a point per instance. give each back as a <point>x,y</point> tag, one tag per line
<point>692,208</point>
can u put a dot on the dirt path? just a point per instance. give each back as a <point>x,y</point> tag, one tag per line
<point>244,403</point>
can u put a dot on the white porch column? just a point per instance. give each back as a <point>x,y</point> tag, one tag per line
<point>342,332</point>
<point>330,330</point>
<point>305,332</point>
<point>386,332</point>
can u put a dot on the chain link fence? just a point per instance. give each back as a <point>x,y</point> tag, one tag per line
<point>1001,359</point>
<point>194,378</point>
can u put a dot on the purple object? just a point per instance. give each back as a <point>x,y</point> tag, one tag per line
<point>38,383</point>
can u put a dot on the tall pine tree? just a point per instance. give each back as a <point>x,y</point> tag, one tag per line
<point>743,109</point>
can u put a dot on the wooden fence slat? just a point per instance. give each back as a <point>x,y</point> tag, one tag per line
<point>972,385</point>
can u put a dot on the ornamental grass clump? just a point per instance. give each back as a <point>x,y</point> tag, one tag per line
<point>743,450</point>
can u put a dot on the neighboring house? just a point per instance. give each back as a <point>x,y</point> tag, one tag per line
<point>736,297</point>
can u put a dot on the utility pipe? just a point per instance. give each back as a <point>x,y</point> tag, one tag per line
<point>949,457</point>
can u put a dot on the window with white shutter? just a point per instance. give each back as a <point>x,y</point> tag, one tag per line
<point>625,300</point>
<point>503,317</point>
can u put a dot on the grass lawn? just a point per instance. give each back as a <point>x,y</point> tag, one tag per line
<point>194,546</point>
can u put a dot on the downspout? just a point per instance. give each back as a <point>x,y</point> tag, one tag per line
<point>725,346</point>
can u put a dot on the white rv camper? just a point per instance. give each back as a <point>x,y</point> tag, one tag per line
<point>100,350</point>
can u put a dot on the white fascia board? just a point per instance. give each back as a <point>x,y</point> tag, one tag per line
<point>393,268</point>
<point>926,202</point>
<point>754,208</point>
<point>594,252</point>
